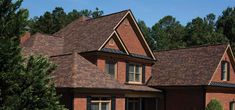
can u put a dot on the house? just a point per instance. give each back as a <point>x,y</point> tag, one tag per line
<point>191,77</point>
<point>106,64</point>
<point>103,63</point>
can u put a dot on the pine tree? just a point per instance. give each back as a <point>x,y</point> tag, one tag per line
<point>25,83</point>
<point>12,23</point>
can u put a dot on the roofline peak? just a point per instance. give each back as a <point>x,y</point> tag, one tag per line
<point>196,46</point>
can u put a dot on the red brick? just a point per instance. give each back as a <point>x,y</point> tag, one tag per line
<point>120,103</point>
<point>79,102</point>
<point>130,38</point>
<point>223,98</point>
<point>217,75</point>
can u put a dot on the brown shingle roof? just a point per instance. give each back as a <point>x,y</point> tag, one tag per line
<point>185,67</point>
<point>74,71</point>
<point>43,44</point>
<point>89,35</point>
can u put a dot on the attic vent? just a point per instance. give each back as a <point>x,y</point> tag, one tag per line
<point>111,42</point>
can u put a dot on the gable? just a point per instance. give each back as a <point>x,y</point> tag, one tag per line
<point>130,38</point>
<point>115,43</point>
<point>228,57</point>
<point>187,66</point>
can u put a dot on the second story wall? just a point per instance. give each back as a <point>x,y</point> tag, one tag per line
<point>231,74</point>
<point>121,72</point>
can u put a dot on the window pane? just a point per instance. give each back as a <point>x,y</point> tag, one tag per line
<point>137,69</point>
<point>224,71</point>
<point>231,105</point>
<point>130,106</point>
<point>137,77</point>
<point>106,68</point>
<point>105,106</point>
<point>131,76</point>
<point>131,68</point>
<point>110,68</point>
<point>94,106</point>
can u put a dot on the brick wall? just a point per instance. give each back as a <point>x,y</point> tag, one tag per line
<point>224,97</point>
<point>130,38</point>
<point>120,103</point>
<point>79,102</point>
<point>121,69</point>
<point>112,46</point>
<point>217,75</point>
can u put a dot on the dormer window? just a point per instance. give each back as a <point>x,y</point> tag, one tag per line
<point>110,67</point>
<point>225,70</point>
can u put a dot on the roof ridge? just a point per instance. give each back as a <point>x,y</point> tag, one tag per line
<point>191,47</point>
<point>107,15</point>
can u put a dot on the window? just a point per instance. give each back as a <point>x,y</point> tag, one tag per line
<point>225,70</point>
<point>100,104</point>
<point>134,104</point>
<point>110,68</point>
<point>135,73</point>
<point>232,105</point>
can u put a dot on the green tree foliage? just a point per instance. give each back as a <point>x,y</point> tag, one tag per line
<point>168,33</point>
<point>214,105</point>
<point>12,23</point>
<point>24,83</point>
<point>147,34</point>
<point>226,24</point>
<point>202,31</point>
<point>51,22</point>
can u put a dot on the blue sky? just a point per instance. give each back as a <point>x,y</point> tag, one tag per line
<point>148,10</point>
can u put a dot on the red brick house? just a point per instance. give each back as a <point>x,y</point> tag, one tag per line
<point>103,63</point>
<point>106,64</point>
<point>191,77</point>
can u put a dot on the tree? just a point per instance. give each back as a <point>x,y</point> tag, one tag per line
<point>168,33</point>
<point>226,24</point>
<point>214,105</point>
<point>147,34</point>
<point>12,23</point>
<point>25,83</point>
<point>97,13</point>
<point>51,22</point>
<point>202,31</point>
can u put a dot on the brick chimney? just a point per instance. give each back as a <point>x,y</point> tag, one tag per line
<point>24,37</point>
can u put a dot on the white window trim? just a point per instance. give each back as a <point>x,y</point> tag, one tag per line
<point>100,101</point>
<point>225,71</point>
<point>135,82</point>
<point>232,104</point>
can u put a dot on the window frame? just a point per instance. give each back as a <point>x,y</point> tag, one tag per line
<point>115,67</point>
<point>135,101</point>
<point>225,72</point>
<point>232,105</point>
<point>134,73</point>
<point>100,101</point>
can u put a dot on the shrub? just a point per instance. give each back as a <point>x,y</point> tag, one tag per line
<point>214,105</point>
